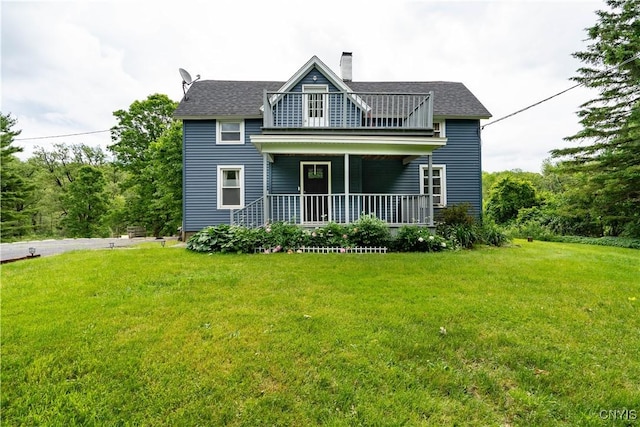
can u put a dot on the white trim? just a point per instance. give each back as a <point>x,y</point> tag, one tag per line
<point>443,182</point>
<point>315,89</point>
<point>304,70</point>
<point>303,205</point>
<point>442,129</point>
<point>302,164</point>
<point>219,180</point>
<point>347,144</point>
<point>219,124</point>
<point>327,72</point>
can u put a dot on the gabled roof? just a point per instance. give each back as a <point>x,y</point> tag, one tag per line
<point>315,62</point>
<point>219,98</point>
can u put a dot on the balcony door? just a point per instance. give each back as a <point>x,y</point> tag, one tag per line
<point>316,100</point>
<point>315,188</point>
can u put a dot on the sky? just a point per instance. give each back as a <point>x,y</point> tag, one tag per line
<point>68,65</point>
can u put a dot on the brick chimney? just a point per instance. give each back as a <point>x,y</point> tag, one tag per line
<point>345,66</point>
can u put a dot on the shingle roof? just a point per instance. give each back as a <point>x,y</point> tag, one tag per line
<point>244,98</point>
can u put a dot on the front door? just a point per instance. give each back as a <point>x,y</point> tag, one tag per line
<point>315,105</point>
<point>315,190</point>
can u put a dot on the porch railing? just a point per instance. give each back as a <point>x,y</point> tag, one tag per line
<point>348,110</point>
<point>318,209</point>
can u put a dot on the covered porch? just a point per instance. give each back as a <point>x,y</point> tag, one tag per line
<point>312,210</point>
<point>316,194</point>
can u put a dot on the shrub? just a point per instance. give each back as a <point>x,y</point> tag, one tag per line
<point>412,238</point>
<point>458,215</point>
<point>492,235</point>
<point>281,234</point>
<point>331,235</point>
<point>461,235</point>
<point>370,231</point>
<point>224,239</point>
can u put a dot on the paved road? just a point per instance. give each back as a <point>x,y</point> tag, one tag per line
<point>53,247</point>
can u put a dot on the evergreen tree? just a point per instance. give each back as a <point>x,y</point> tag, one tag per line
<point>14,217</point>
<point>610,153</point>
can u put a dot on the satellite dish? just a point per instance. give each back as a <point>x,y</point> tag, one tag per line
<point>186,77</point>
<point>186,80</point>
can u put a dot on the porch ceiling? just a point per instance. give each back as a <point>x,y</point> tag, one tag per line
<point>347,144</point>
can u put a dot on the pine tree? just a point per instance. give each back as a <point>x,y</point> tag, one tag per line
<point>14,218</point>
<point>610,153</point>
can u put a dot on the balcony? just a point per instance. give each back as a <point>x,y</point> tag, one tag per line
<point>348,111</point>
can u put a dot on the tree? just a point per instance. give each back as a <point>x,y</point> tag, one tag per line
<point>153,161</point>
<point>138,128</point>
<point>508,196</point>
<point>86,203</point>
<point>611,121</point>
<point>14,218</point>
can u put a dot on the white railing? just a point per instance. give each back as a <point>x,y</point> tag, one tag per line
<point>348,110</point>
<point>318,209</point>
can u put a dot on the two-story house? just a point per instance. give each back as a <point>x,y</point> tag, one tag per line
<point>322,147</point>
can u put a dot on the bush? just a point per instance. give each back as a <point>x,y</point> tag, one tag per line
<point>369,231</point>
<point>224,239</point>
<point>458,215</point>
<point>281,234</point>
<point>492,235</point>
<point>331,235</point>
<point>461,235</point>
<point>412,238</point>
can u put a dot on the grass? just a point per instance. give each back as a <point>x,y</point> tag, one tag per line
<point>532,334</point>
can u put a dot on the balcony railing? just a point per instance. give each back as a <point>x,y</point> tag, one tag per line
<point>318,209</point>
<point>332,110</point>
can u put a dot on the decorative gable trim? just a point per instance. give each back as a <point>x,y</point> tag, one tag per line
<point>322,67</point>
<point>333,78</point>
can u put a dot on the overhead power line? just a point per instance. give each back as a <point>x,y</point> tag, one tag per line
<point>633,58</point>
<point>62,136</point>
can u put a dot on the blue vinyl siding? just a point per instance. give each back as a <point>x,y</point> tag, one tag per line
<point>336,108</point>
<point>201,159</point>
<point>462,155</point>
<point>285,173</point>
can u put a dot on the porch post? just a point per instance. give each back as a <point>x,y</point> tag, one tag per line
<point>265,196</point>
<point>430,200</point>
<point>346,188</point>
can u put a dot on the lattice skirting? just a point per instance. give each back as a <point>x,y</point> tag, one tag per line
<point>327,250</point>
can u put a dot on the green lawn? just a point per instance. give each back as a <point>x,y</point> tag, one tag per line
<point>534,334</point>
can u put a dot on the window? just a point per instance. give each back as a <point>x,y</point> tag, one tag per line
<point>230,132</point>
<point>438,129</point>
<point>439,174</point>
<point>230,187</point>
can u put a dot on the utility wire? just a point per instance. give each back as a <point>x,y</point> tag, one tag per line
<point>637,56</point>
<point>484,126</point>
<point>62,136</point>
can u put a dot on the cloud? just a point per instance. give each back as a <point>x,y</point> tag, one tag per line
<point>66,66</point>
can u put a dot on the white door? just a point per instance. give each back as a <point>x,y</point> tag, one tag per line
<point>316,109</point>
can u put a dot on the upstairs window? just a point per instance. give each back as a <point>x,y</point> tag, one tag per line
<point>439,184</point>
<point>438,129</point>
<point>230,187</point>
<point>230,132</point>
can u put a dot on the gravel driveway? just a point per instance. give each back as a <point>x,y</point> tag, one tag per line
<point>53,247</point>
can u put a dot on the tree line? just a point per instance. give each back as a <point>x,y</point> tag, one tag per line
<point>590,189</point>
<point>75,190</point>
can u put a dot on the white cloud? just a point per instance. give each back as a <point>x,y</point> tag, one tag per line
<point>67,65</point>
